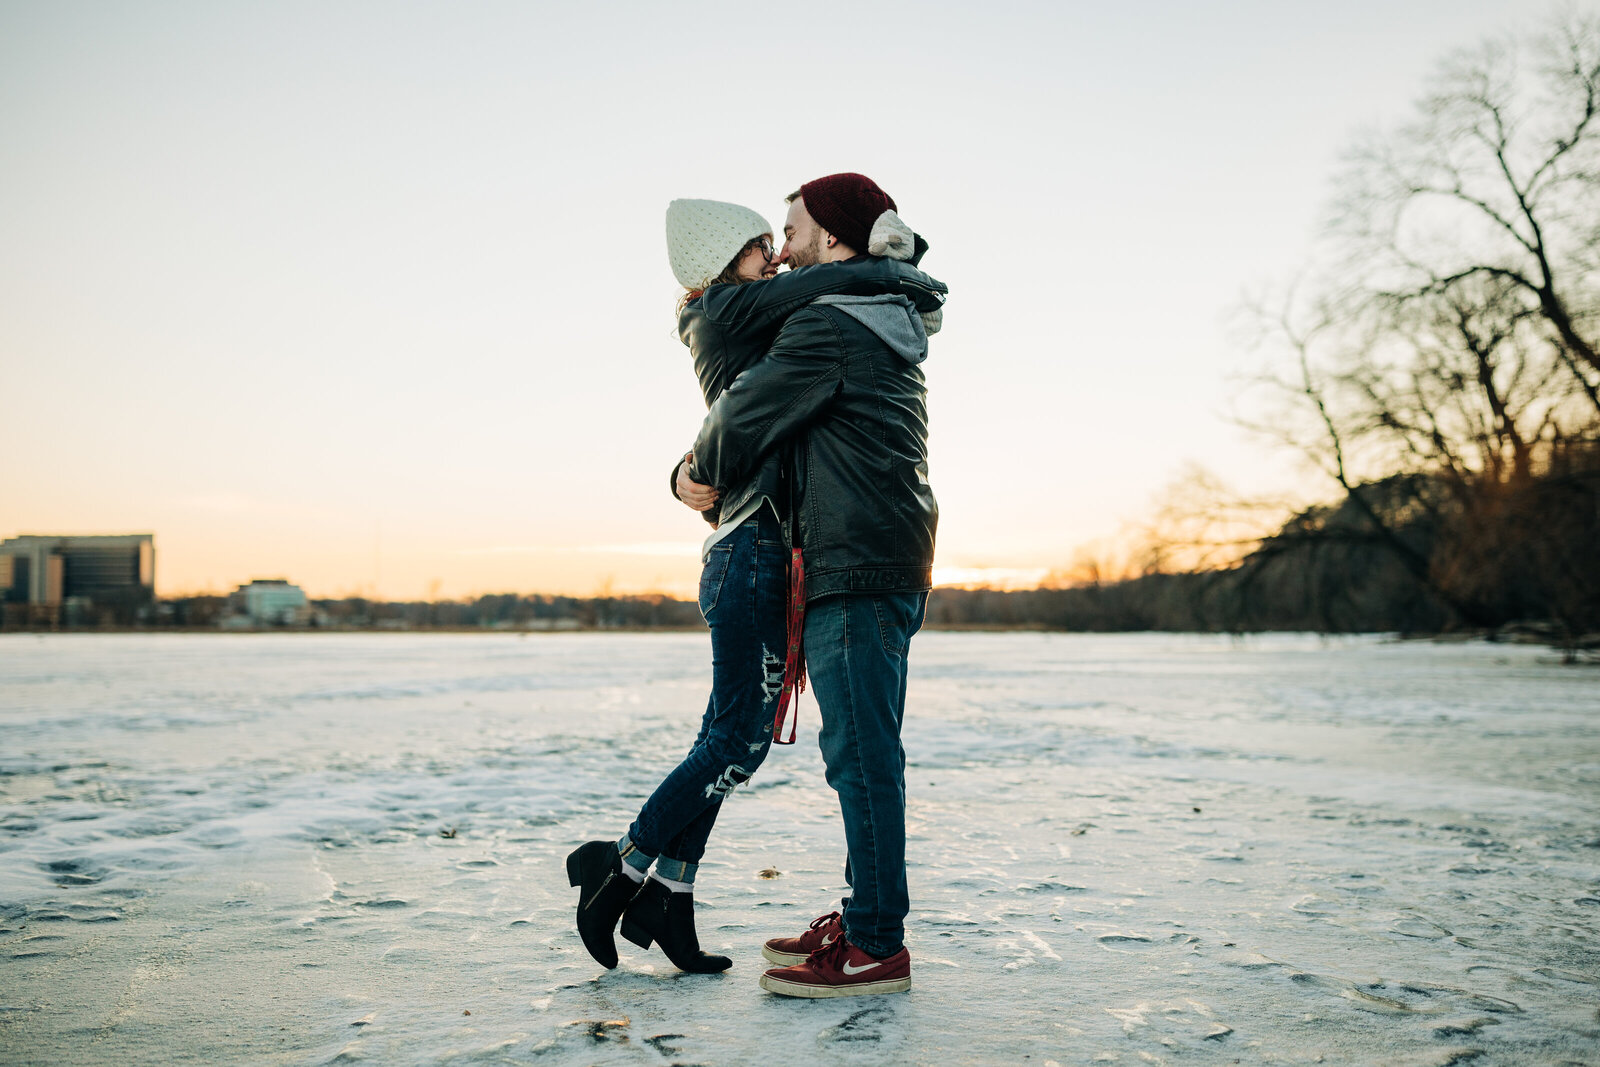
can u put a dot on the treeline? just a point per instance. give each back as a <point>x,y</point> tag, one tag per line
<point>514,611</point>
<point>508,611</point>
<point>1397,556</point>
<point>1527,565</point>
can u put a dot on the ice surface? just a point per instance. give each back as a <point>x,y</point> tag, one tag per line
<point>1124,849</point>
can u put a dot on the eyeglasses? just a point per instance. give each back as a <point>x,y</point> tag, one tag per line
<point>767,251</point>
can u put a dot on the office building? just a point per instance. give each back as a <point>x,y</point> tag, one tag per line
<point>98,576</point>
<point>270,602</point>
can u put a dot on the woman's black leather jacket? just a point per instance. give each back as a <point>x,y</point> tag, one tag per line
<point>729,328</point>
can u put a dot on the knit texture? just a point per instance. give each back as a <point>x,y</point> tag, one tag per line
<point>703,236</point>
<point>890,237</point>
<point>846,205</point>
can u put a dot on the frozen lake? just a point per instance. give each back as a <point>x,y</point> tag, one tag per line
<point>1124,849</point>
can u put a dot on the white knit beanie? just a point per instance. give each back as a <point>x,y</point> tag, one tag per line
<point>703,236</point>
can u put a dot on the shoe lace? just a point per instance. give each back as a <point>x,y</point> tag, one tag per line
<point>832,954</point>
<point>819,923</point>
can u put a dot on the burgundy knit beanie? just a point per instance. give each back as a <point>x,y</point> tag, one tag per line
<point>846,205</point>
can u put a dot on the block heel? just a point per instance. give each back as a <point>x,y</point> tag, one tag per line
<point>634,931</point>
<point>667,918</point>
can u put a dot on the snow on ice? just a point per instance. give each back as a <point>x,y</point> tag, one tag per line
<point>1123,849</point>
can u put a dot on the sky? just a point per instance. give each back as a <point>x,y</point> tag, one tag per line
<point>374,296</point>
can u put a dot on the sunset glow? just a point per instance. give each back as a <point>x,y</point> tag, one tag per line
<point>379,302</point>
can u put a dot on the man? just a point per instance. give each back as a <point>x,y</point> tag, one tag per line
<point>841,386</point>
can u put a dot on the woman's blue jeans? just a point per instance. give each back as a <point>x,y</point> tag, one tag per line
<point>744,597</point>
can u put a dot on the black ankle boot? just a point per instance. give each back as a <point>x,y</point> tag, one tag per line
<point>604,891</point>
<point>667,918</point>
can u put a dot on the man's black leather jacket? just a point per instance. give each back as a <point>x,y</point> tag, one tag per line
<point>841,386</point>
<point>729,328</point>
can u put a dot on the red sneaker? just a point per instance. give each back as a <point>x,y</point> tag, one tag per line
<point>788,951</point>
<point>841,970</point>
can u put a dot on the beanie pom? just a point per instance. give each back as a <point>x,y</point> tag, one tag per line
<point>891,237</point>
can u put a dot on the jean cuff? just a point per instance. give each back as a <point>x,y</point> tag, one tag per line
<point>676,870</point>
<point>631,855</point>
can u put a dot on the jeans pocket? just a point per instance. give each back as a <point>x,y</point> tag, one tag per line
<point>899,617</point>
<point>712,577</point>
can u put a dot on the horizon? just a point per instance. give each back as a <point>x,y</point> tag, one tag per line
<point>959,582</point>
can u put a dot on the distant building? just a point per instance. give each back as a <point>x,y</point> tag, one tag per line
<point>270,602</point>
<point>93,578</point>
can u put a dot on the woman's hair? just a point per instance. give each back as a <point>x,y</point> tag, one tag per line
<point>729,275</point>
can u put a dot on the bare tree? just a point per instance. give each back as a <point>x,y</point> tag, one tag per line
<point>1443,370</point>
<point>1496,180</point>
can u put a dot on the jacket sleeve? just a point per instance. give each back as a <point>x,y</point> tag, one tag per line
<point>672,483</point>
<point>743,310</point>
<point>672,479</point>
<point>770,402</point>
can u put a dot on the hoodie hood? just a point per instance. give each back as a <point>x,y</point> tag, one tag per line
<point>893,319</point>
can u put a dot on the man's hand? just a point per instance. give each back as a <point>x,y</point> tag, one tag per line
<point>697,496</point>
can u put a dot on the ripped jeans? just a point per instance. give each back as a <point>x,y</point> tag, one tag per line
<point>743,596</point>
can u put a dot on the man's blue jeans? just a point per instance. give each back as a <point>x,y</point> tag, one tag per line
<point>856,649</point>
<point>743,595</point>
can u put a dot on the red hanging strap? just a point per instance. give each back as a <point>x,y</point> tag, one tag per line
<point>794,664</point>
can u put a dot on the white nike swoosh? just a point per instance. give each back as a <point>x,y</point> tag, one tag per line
<point>847,969</point>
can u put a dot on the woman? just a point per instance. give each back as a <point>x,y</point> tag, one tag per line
<point>733,304</point>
